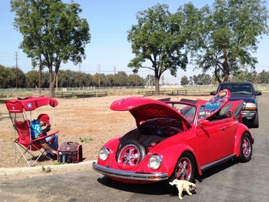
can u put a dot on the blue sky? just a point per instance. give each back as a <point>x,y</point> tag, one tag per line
<point>109,50</point>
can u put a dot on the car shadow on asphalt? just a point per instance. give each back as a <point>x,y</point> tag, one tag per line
<point>160,188</point>
<point>216,169</point>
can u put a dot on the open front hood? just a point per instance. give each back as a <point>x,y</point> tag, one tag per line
<point>144,108</point>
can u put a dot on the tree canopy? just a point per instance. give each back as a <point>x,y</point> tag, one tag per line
<point>227,35</point>
<point>15,78</point>
<point>159,38</point>
<point>52,33</point>
<point>221,38</point>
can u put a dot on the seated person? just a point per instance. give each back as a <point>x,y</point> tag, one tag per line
<point>50,144</point>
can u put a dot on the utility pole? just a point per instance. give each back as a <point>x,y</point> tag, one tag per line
<point>114,76</point>
<point>16,55</point>
<point>99,75</point>
<point>40,75</point>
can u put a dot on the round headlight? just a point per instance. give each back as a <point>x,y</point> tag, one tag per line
<point>104,153</point>
<point>155,161</point>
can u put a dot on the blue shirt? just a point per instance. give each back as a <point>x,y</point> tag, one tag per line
<point>36,129</point>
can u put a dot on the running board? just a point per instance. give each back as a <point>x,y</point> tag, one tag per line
<point>210,165</point>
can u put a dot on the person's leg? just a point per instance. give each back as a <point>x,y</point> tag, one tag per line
<point>47,147</point>
<point>52,142</point>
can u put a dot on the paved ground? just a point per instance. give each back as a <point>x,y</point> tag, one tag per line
<point>39,170</point>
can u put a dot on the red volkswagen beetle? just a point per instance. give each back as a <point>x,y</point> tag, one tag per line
<point>175,139</point>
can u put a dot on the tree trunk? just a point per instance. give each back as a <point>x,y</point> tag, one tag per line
<point>52,89</point>
<point>52,83</point>
<point>157,85</point>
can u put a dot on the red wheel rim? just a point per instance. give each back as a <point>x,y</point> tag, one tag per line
<point>129,155</point>
<point>246,148</point>
<point>184,169</point>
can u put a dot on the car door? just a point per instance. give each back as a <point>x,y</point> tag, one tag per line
<point>212,140</point>
<point>230,131</point>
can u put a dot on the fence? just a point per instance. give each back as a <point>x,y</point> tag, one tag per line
<point>119,91</point>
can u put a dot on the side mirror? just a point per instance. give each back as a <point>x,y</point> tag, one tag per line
<point>258,93</point>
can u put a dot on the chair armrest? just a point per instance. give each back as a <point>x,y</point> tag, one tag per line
<point>44,137</point>
<point>53,133</point>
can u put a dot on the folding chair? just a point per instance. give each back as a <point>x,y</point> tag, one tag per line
<point>26,145</point>
<point>29,149</point>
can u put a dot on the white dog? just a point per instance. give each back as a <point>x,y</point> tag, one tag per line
<point>183,185</point>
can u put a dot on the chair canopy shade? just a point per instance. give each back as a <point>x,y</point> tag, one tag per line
<point>29,103</point>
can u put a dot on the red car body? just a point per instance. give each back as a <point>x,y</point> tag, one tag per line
<point>175,139</point>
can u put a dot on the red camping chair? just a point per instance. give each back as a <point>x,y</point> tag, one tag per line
<point>25,144</point>
<point>22,134</point>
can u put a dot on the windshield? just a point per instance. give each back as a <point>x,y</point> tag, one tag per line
<point>188,111</point>
<point>237,88</point>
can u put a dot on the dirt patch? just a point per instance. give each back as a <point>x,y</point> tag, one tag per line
<point>88,121</point>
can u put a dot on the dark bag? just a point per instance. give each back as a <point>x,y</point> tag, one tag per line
<point>70,152</point>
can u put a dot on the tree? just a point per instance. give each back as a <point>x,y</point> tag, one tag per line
<point>160,38</point>
<point>3,76</point>
<point>12,77</point>
<point>245,75</point>
<point>263,77</point>
<point>81,79</point>
<point>100,80</point>
<point>20,77</point>
<point>52,33</point>
<point>252,76</point>
<point>104,80</point>
<point>121,79</point>
<point>150,81</point>
<point>135,80</point>
<point>202,79</point>
<point>45,80</point>
<point>66,78</point>
<point>184,81</point>
<point>191,82</point>
<point>32,78</point>
<point>227,36</point>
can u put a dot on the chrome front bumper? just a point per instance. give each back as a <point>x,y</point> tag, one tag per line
<point>150,177</point>
<point>248,114</point>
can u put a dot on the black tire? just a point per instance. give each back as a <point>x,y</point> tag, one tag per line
<point>245,148</point>
<point>255,121</point>
<point>134,150</point>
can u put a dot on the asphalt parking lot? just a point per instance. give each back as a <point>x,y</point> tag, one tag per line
<point>231,181</point>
